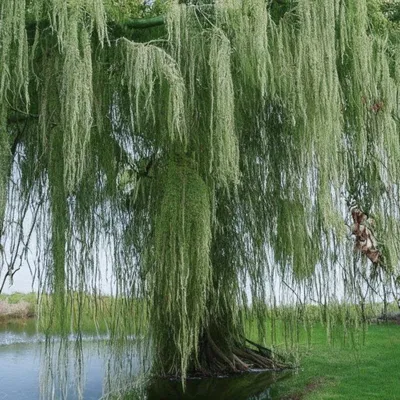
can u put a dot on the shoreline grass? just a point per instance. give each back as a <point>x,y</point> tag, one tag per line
<point>364,368</point>
<point>17,306</point>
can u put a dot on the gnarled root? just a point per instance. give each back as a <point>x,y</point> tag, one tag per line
<point>216,360</point>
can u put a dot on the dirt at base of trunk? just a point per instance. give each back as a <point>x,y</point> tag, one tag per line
<point>22,309</point>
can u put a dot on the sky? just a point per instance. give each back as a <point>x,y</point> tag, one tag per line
<point>22,282</point>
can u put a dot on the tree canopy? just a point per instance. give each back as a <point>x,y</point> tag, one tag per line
<point>212,159</point>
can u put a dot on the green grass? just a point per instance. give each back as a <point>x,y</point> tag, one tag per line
<point>17,297</point>
<point>347,371</point>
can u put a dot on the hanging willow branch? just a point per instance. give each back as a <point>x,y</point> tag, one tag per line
<point>131,23</point>
<point>261,122</point>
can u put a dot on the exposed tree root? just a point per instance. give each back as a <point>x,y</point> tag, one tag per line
<point>214,359</point>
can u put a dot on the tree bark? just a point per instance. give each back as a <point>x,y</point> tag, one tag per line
<point>219,355</point>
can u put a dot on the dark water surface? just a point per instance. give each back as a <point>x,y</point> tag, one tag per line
<point>252,386</point>
<point>26,374</point>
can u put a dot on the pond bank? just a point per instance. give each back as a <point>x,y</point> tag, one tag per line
<point>20,310</point>
<point>17,306</point>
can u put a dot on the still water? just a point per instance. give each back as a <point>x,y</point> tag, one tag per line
<point>27,374</point>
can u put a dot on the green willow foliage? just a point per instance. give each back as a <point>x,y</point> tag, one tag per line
<point>156,89</point>
<point>210,163</point>
<point>182,237</point>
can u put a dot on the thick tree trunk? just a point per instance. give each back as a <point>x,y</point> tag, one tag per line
<point>59,217</point>
<point>222,351</point>
<point>219,357</point>
<point>196,321</point>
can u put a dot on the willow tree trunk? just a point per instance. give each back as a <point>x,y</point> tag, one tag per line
<point>59,218</point>
<point>196,318</point>
<point>222,349</point>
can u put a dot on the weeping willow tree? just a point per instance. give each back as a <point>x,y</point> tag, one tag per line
<point>212,157</point>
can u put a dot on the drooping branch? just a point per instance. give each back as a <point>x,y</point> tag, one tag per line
<point>254,148</point>
<point>10,274</point>
<point>15,119</point>
<point>19,117</point>
<point>142,23</point>
<point>130,23</point>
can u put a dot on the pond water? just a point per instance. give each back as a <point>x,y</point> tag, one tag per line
<point>27,374</point>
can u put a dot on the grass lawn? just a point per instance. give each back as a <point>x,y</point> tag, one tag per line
<point>346,371</point>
